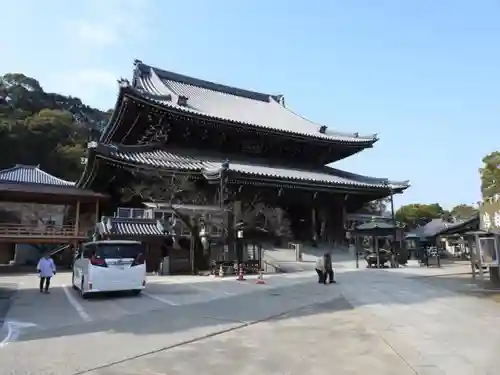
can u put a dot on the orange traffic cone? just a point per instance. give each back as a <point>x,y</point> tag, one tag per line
<point>260,278</point>
<point>240,274</point>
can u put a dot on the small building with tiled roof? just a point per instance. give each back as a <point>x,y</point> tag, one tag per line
<point>31,174</point>
<point>251,141</point>
<point>29,182</point>
<point>41,209</point>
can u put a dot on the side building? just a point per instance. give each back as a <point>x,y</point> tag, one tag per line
<point>241,147</point>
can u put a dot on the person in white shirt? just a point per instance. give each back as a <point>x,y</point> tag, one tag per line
<point>46,268</point>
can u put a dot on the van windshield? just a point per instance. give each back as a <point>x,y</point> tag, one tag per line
<point>119,251</point>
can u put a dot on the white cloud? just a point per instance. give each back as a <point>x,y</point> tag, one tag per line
<point>95,87</point>
<point>101,78</point>
<point>100,33</point>
<point>95,34</point>
<point>107,23</point>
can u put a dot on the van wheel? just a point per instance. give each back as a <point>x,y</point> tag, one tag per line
<point>136,292</point>
<point>73,281</point>
<point>82,293</point>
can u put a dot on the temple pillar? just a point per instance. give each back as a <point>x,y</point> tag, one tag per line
<point>77,219</point>
<point>314,234</point>
<point>237,210</point>
<point>322,226</point>
<point>314,220</point>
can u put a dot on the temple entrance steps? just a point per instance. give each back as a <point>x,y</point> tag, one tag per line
<point>285,258</point>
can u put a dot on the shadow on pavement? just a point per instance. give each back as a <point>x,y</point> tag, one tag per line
<point>7,290</point>
<point>251,306</point>
<point>171,326</point>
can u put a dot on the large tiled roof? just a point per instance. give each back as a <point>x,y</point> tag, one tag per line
<point>188,162</point>
<point>231,104</point>
<point>31,174</point>
<point>438,226</point>
<point>130,227</point>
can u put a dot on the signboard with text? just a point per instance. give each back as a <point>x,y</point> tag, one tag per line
<point>489,221</point>
<point>489,214</point>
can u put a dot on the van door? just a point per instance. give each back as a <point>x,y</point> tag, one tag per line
<point>78,267</point>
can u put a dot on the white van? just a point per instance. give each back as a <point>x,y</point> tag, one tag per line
<point>107,266</point>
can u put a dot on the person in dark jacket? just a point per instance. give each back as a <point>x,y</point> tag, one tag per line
<point>329,269</point>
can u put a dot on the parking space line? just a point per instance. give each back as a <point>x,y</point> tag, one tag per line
<point>203,288</point>
<point>78,307</point>
<point>161,299</point>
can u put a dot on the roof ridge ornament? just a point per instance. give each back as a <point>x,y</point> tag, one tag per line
<point>123,82</point>
<point>182,100</point>
<point>280,98</point>
<point>137,62</point>
<point>322,129</point>
<point>26,166</point>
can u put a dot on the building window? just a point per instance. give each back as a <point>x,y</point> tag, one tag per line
<point>124,212</point>
<point>137,213</point>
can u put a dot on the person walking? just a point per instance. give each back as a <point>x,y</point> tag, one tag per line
<point>46,268</point>
<point>320,269</point>
<point>329,269</point>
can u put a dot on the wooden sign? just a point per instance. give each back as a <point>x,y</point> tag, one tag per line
<point>489,214</point>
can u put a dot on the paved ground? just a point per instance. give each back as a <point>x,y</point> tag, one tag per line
<point>7,290</point>
<point>373,321</point>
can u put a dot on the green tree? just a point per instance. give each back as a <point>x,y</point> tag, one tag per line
<point>46,129</point>
<point>376,207</point>
<point>463,211</point>
<point>490,175</point>
<point>417,214</point>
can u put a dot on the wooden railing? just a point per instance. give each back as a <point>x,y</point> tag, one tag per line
<point>26,230</point>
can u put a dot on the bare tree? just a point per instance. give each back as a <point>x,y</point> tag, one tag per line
<point>35,214</point>
<point>158,187</point>
<point>259,215</point>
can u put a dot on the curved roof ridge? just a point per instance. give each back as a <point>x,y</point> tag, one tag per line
<point>210,85</point>
<point>55,178</point>
<point>363,177</point>
<point>239,106</point>
<point>161,87</point>
<point>169,159</point>
<point>332,133</point>
<point>18,176</point>
<point>118,147</point>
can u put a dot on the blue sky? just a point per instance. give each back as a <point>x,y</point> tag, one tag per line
<point>423,74</point>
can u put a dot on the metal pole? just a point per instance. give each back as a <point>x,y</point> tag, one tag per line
<point>191,254</point>
<point>393,218</point>
<point>356,251</point>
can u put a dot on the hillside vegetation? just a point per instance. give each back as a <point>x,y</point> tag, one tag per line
<point>46,129</point>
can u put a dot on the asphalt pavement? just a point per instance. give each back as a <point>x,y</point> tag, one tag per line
<point>7,290</point>
<point>372,321</point>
